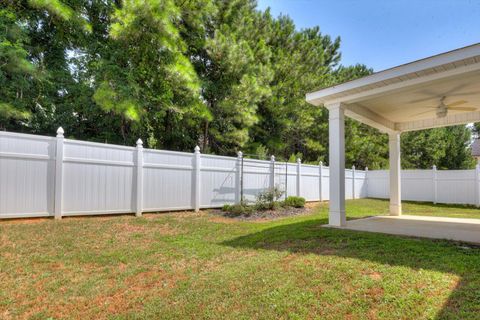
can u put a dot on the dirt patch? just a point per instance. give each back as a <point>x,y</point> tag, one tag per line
<point>25,220</point>
<point>373,275</point>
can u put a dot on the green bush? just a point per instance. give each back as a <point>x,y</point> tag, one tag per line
<point>297,202</point>
<point>238,209</point>
<point>267,200</point>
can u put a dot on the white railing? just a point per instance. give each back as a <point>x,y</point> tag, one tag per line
<point>47,176</point>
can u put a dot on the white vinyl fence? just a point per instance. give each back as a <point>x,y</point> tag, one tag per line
<point>47,176</point>
<point>437,186</point>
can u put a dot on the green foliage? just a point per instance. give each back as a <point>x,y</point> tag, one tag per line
<point>16,72</point>
<point>293,201</point>
<point>238,209</point>
<point>261,152</point>
<point>177,73</point>
<point>447,148</point>
<point>267,200</point>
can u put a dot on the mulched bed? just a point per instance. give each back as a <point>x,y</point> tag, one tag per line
<point>265,215</point>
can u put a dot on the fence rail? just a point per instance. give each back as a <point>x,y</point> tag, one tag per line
<point>54,176</point>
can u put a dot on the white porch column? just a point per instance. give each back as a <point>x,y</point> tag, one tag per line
<point>336,132</point>
<point>395,172</point>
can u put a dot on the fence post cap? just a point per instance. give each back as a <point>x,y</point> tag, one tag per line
<point>60,132</point>
<point>321,163</point>
<point>240,154</point>
<point>299,160</point>
<point>366,168</point>
<point>139,143</point>
<point>272,158</point>
<point>434,167</point>
<point>353,167</point>
<point>197,149</point>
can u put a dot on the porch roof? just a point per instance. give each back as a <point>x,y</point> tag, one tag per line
<point>437,91</point>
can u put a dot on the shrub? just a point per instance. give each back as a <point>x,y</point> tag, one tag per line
<point>268,199</point>
<point>238,209</point>
<point>297,202</point>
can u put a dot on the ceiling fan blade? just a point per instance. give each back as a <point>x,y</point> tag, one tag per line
<point>456,103</point>
<point>462,108</point>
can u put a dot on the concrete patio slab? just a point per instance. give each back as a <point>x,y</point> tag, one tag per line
<point>465,230</point>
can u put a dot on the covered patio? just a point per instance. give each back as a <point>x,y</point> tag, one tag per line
<point>438,91</point>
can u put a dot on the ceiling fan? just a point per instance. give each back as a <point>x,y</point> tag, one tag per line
<point>442,109</point>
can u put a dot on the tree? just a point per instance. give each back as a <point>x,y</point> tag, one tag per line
<point>447,148</point>
<point>177,73</point>
<point>234,68</point>
<point>17,73</point>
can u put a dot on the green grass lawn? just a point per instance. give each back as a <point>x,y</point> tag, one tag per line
<point>366,207</point>
<point>199,266</point>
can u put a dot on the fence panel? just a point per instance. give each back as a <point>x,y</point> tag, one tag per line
<point>291,185</point>
<point>97,178</point>
<point>310,184</point>
<point>456,186</point>
<point>378,184</point>
<point>325,183</point>
<point>218,181</point>
<point>27,172</point>
<point>168,180</point>
<point>360,184</point>
<point>256,178</point>
<point>417,185</point>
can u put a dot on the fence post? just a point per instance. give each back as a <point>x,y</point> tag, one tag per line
<point>272,172</point>
<point>197,178</point>
<point>353,182</point>
<point>366,181</point>
<point>299,176</point>
<point>238,178</point>
<point>59,174</point>
<point>477,185</point>
<point>320,173</point>
<point>434,177</point>
<point>139,198</point>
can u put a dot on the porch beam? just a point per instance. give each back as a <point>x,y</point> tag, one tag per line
<point>336,131</point>
<point>365,115</point>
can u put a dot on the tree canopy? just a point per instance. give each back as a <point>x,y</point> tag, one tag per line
<point>176,73</point>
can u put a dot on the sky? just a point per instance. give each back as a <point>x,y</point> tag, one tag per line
<point>385,33</point>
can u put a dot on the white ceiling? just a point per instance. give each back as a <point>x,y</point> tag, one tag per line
<point>419,102</point>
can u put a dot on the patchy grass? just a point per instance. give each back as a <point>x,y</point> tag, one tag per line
<point>198,266</point>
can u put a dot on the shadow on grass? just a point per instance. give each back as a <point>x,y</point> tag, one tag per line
<point>438,255</point>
